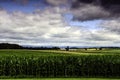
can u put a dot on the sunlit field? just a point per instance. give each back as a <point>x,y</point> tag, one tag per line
<point>38,53</point>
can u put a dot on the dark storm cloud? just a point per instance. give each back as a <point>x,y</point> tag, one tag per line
<point>95,9</point>
<point>104,3</point>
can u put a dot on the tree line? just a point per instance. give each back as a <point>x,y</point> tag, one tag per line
<point>16,46</point>
<point>10,46</point>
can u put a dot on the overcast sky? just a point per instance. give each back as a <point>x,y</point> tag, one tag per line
<point>60,22</point>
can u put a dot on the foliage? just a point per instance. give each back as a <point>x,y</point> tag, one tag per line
<point>61,66</point>
<point>16,46</point>
<point>10,46</point>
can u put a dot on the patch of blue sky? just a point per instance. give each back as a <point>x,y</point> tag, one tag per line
<point>91,24</point>
<point>28,8</point>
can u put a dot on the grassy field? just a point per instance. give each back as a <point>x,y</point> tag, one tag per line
<point>38,53</point>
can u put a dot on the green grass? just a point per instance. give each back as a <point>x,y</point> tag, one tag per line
<point>38,53</point>
<point>66,79</point>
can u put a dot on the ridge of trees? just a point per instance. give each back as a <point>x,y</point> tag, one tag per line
<point>16,46</point>
<point>10,46</point>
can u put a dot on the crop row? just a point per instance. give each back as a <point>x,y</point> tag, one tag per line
<point>61,66</point>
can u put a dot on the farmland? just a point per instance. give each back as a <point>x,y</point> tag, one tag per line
<point>37,53</point>
<point>56,63</point>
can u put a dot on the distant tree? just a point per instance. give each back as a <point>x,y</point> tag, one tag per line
<point>100,48</point>
<point>96,48</point>
<point>16,46</point>
<point>86,49</point>
<point>55,48</point>
<point>42,48</point>
<point>67,48</point>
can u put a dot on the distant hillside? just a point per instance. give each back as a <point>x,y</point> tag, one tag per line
<point>10,46</point>
<point>16,46</point>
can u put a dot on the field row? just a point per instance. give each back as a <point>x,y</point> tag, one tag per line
<point>50,63</point>
<point>61,66</point>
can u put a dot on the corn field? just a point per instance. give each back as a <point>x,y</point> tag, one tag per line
<point>61,66</point>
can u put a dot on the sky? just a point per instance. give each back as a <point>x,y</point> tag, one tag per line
<point>60,22</point>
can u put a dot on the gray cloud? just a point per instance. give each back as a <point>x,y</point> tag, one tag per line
<point>112,25</point>
<point>57,2</point>
<point>83,9</point>
<point>90,12</point>
<point>95,9</point>
<point>90,9</point>
<point>22,28</point>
